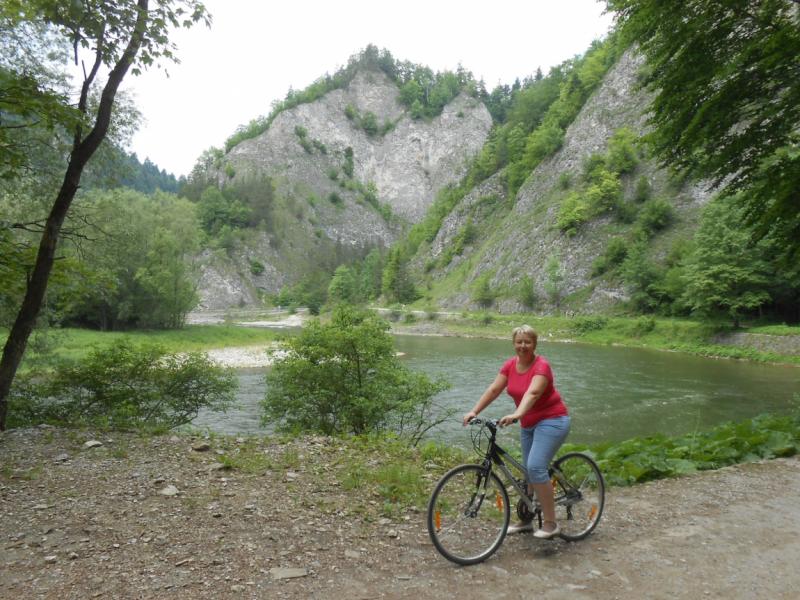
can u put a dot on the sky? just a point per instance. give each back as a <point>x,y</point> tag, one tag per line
<point>256,50</point>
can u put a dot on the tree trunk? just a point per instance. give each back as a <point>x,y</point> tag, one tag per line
<point>82,151</point>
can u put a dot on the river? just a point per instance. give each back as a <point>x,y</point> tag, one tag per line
<point>613,393</point>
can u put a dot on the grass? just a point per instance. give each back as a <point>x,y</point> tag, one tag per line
<point>674,334</point>
<point>71,343</point>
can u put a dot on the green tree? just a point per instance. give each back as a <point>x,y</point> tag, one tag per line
<point>216,211</point>
<point>482,293</point>
<point>526,293</point>
<point>342,287</point>
<point>396,284</point>
<point>120,35</point>
<point>726,274</point>
<point>621,156</point>
<point>371,274</point>
<point>554,280</point>
<point>726,101</point>
<point>136,269</point>
<point>642,277</point>
<point>343,377</point>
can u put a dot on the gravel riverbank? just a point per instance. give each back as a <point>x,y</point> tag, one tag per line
<point>150,518</point>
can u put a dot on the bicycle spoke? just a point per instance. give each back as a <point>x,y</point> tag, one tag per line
<point>468,532</point>
<point>580,506</point>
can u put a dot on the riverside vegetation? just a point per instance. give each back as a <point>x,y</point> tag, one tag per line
<point>618,205</point>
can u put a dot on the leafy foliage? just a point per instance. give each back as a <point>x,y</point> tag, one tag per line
<point>643,459</point>
<point>126,387</point>
<point>726,99</point>
<point>344,377</point>
<point>726,273</point>
<point>136,271</point>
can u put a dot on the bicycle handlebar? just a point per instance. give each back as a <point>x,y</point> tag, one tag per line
<point>491,423</point>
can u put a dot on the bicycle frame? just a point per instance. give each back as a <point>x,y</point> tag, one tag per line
<point>497,455</point>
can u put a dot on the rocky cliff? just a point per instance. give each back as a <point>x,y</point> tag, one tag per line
<point>351,171</point>
<point>517,237</point>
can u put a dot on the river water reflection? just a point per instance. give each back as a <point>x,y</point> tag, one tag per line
<point>612,393</point>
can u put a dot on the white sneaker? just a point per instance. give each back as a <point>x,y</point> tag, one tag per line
<point>546,535</point>
<point>520,527</point>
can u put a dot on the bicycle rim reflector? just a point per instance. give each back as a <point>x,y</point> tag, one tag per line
<point>498,500</point>
<point>593,512</point>
<point>438,520</point>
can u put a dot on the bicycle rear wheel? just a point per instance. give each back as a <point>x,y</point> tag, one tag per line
<point>579,495</point>
<point>468,514</point>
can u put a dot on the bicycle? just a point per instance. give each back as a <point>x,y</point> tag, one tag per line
<point>469,511</point>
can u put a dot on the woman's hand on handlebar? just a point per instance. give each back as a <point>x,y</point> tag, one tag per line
<point>468,417</point>
<point>508,420</point>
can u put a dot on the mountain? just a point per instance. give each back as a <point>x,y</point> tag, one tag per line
<point>331,179</point>
<point>356,168</point>
<point>528,240</point>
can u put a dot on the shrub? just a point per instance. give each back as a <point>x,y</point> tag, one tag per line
<point>655,216</point>
<point>643,190</point>
<point>343,377</point>
<point>483,293</point>
<point>128,387</point>
<point>526,294</point>
<point>584,325</point>
<point>621,156</point>
<point>573,213</point>
<point>643,325</point>
<point>256,267</point>
<point>369,123</point>
<point>604,194</point>
<point>613,256</point>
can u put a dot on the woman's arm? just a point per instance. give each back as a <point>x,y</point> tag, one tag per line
<point>492,392</point>
<point>535,390</point>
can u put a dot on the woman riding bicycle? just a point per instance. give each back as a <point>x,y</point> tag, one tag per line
<point>543,417</point>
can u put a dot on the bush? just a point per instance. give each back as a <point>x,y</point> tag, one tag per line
<point>621,156</point>
<point>643,190</point>
<point>655,216</point>
<point>584,325</point>
<point>483,294</point>
<point>613,256</point>
<point>343,377</point>
<point>128,387</point>
<point>256,267</point>
<point>573,213</point>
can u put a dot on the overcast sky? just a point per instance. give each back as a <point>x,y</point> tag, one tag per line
<point>256,50</point>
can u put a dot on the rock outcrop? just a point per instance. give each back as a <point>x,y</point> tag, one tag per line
<point>342,187</point>
<point>521,243</point>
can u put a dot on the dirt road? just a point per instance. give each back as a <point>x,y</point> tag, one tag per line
<point>160,518</point>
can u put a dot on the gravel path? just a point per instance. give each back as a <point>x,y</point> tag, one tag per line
<point>139,517</point>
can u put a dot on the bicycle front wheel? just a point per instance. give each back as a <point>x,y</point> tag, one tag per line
<point>468,514</point>
<point>579,495</point>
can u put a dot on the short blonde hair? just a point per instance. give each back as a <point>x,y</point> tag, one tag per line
<point>526,330</point>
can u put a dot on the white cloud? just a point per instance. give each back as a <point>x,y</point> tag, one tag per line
<point>256,50</point>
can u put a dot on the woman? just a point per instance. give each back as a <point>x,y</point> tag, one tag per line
<point>543,417</point>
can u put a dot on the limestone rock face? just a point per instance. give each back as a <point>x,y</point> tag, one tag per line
<point>408,164</point>
<point>398,166</point>
<point>520,244</point>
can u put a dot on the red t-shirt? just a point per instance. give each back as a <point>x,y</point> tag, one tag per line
<point>549,405</point>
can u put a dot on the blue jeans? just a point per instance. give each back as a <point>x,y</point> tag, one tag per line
<point>540,444</point>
